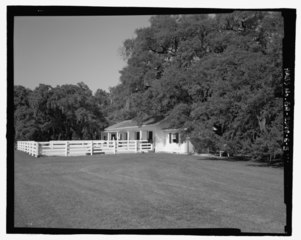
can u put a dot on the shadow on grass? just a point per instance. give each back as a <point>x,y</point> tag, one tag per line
<point>230,159</point>
<point>277,163</point>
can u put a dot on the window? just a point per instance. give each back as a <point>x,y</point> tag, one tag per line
<point>173,137</point>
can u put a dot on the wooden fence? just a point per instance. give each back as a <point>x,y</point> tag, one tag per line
<point>79,148</point>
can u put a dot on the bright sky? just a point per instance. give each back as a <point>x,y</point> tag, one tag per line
<point>68,50</point>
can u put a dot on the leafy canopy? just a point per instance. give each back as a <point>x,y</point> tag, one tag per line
<point>216,76</point>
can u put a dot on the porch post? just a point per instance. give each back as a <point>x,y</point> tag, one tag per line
<point>109,136</point>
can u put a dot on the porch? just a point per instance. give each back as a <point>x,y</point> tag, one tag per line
<point>128,135</point>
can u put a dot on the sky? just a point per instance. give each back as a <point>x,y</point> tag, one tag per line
<point>69,50</point>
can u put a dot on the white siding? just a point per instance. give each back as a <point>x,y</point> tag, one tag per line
<point>160,140</point>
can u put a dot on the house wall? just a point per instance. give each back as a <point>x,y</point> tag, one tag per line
<point>164,145</point>
<point>161,142</point>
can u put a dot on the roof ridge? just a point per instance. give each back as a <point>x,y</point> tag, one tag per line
<point>134,124</point>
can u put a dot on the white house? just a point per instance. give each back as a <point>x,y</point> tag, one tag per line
<point>153,130</point>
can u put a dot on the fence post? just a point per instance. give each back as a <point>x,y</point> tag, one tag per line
<point>66,148</point>
<point>33,148</point>
<point>91,147</point>
<point>37,149</point>
<point>114,141</point>
<point>30,148</point>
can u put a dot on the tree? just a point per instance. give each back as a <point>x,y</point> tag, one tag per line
<point>23,114</point>
<point>62,113</point>
<point>217,77</point>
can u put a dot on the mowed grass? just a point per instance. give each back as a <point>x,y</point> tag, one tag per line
<point>147,191</point>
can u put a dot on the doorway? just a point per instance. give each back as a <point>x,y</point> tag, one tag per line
<point>150,138</point>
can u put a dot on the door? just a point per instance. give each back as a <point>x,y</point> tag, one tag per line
<point>113,136</point>
<point>150,137</point>
<point>137,135</point>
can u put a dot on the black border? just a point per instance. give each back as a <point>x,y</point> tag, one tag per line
<point>289,16</point>
<point>288,109</point>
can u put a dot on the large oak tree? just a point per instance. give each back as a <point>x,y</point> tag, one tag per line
<point>218,77</point>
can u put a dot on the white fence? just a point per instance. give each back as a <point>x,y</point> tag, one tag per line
<point>30,147</point>
<point>78,148</point>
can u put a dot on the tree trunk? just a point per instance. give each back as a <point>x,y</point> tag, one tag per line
<point>261,123</point>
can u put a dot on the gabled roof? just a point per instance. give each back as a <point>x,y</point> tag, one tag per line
<point>123,124</point>
<point>133,124</point>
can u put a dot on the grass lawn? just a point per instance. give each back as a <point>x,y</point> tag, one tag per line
<point>143,191</point>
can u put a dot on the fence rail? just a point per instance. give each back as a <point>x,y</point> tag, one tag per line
<point>78,148</point>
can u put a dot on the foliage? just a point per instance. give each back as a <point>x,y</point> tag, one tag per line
<point>218,77</point>
<point>64,112</point>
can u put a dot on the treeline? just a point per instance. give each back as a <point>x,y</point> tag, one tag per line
<point>216,77</point>
<point>66,112</point>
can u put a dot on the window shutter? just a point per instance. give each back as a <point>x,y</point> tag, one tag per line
<point>169,137</point>
<point>177,137</point>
